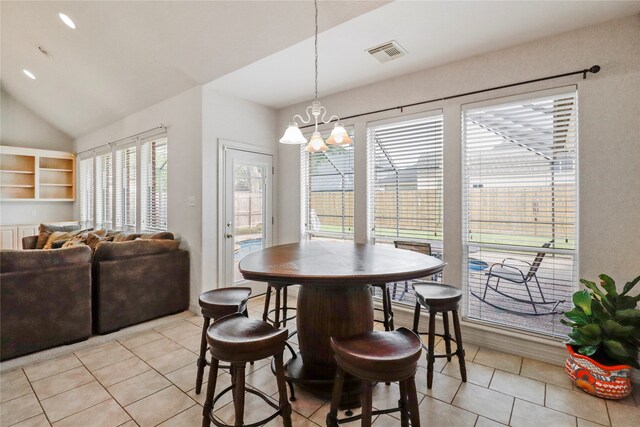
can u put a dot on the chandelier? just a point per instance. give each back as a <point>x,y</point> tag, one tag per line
<point>316,144</point>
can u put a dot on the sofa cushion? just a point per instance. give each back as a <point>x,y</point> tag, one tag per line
<point>114,250</point>
<point>46,229</point>
<point>33,259</point>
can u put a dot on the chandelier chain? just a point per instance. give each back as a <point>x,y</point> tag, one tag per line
<point>316,48</point>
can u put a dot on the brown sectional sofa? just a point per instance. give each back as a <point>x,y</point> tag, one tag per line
<point>137,281</point>
<point>46,299</point>
<point>53,297</point>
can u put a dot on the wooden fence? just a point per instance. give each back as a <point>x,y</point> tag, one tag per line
<point>529,211</point>
<point>248,209</point>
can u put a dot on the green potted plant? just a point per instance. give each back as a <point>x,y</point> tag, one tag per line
<point>604,339</point>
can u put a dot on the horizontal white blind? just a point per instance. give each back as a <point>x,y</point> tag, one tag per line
<point>154,185</point>
<point>520,211</point>
<point>125,193</point>
<point>328,191</point>
<point>85,194</point>
<point>520,172</point>
<point>104,190</point>
<point>405,180</point>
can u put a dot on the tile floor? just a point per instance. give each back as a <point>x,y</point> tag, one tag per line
<point>148,379</point>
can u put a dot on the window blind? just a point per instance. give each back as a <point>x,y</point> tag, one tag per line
<point>85,194</point>
<point>520,193</point>
<point>104,190</point>
<point>154,185</point>
<point>405,180</point>
<point>520,172</point>
<point>126,187</point>
<point>327,192</point>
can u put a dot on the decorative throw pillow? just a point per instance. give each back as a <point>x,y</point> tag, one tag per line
<point>161,235</point>
<point>61,235</point>
<point>80,239</point>
<point>93,239</point>
<point>45,231</point>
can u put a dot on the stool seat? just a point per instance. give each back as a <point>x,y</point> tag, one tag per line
<point>379,356</point>
<point>236,338</point>
<point>222,302</point>
<point>437,296</point>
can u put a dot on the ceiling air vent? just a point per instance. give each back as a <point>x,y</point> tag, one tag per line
<point>387,51</point>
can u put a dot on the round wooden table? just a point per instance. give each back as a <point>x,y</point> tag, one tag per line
<point>334,299</point>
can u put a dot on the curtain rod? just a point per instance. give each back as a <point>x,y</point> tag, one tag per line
<point>160,126</point>
<point>594,69</point>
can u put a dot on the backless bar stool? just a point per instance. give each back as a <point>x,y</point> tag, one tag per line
<point>237,339</point>
<point>378,356</point>
<point>437,298</point>
<point>214,305</point>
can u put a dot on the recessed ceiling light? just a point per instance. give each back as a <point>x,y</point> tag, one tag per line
<point>29,74</point>
<point>68,22</point>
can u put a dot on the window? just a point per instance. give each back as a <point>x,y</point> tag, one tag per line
<point>104,190</point>
<point>405,181</point>
<point>327,192</point>
<point>85,194</point>
<point>405,187</point>
<point>520,210</point>
<point>154,184</point>
<point>126,187</point>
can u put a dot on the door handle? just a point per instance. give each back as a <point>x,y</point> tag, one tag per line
<point>228,235</point>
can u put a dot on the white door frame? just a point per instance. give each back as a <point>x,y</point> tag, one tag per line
<point>223,146</point>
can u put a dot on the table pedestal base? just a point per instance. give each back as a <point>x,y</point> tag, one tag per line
<point>326,311</point>
<point>322,386</point>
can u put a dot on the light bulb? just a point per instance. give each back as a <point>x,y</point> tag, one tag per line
<point>338,133</point>
<point>316,143</point>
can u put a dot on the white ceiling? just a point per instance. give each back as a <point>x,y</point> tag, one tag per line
<point>126,56</point>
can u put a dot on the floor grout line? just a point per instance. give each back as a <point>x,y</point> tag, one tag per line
<point>423,397</point>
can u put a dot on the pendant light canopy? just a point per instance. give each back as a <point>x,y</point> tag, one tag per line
<point>293,135</point>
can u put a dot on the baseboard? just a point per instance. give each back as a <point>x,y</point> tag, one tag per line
<point>499,339</point>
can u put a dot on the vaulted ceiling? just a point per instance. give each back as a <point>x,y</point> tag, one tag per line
<point>125,56</point>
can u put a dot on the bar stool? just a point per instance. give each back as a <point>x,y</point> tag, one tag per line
<point>438,298</point>
<point>281,308</point>
<point>375,357</point>
<point>237,339</point>
<point>387,308</point>
<point>214,305</point>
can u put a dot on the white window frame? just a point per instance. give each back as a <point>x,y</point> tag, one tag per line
<point>371,238</point>
<point>573,89</point>
<point>306,234</point>
<point>113,149</point>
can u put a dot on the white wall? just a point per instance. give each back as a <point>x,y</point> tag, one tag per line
<point>21,127</point>
<point>609,126</point>
<point>226,117</point>
<point>182,115</point>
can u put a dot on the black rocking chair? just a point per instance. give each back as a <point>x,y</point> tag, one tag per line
<point>511,273</point>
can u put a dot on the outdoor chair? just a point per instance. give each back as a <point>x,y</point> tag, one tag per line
<point>509,271</point>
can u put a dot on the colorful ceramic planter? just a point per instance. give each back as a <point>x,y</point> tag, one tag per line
<point>608,382</point>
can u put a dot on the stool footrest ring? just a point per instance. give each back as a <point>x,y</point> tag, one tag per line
<point>258,393</point>
<point>357,417</point>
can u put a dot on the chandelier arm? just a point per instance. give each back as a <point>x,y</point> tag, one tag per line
<point>332,118</point>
